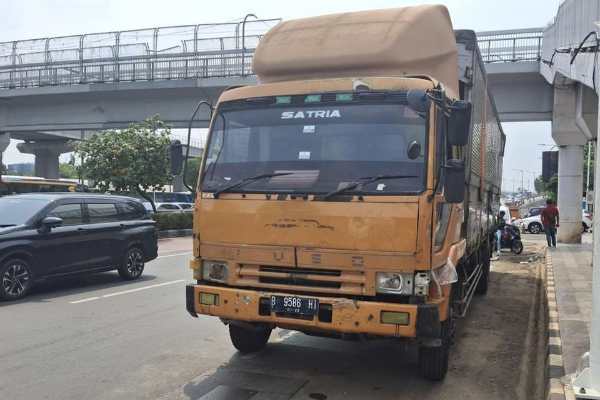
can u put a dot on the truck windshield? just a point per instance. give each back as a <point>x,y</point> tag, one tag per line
<point>317,149</point>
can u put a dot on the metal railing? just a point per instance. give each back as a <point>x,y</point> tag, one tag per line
<point>194,143</point>
<point>511,45</point>
<point>181,52</point>
<point>194,51</point>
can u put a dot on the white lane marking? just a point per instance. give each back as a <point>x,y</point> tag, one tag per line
<point>84,300</point>
<point>174,255</point>
<point>126,291</point>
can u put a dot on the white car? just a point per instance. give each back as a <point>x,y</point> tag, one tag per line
<point>534,224</point>
<point>170,207</point>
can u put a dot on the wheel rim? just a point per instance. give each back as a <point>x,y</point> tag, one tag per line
<point>15,279</point>
<point>135,263</point>
<point>535,229</point>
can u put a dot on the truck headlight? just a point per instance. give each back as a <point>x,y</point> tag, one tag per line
<point>422,280</point>
<point>217,271</point>
<point>394,282</point>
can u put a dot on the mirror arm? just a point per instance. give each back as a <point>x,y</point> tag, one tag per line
<point>187,149</point>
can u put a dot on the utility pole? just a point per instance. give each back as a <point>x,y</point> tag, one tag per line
<point>522,181</point>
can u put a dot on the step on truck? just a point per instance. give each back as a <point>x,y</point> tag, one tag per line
<point>350,193</point>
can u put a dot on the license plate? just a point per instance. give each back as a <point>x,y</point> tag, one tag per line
<point>294,305</point>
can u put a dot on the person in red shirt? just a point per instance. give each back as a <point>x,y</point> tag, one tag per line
<point>550,221</point>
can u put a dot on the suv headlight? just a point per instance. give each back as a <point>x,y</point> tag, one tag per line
<point>217,271</point>
<point>394,282</point>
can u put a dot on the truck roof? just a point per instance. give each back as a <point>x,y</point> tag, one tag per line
<point>391,42</point>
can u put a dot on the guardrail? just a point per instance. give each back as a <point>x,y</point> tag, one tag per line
<point>193,51</point>
<point>511,45</point>
<point>181,52</point>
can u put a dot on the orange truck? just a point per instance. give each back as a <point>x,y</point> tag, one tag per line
<point>349,194</point>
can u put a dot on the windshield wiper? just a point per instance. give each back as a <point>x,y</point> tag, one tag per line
<point>364,181</point>
<point>246,181</point>
<point>7,225</point>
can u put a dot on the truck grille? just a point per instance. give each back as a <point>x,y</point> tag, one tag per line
<point>301,278</point>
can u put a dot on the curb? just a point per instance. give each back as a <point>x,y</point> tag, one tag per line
<point>555,370</point>
<point>175,233</point>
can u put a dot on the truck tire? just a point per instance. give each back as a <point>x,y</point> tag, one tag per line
<point>482,285</point>
<point>247,341</point>
<point>433,361</point>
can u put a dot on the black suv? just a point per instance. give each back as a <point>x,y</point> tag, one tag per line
<point>53,235</point>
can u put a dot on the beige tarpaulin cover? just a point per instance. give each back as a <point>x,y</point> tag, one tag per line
<point>392,42</point>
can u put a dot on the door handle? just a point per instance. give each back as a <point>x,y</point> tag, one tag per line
<point>122,226</point>
<point>81,231</point>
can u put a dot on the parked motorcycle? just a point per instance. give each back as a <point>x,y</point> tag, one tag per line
<point>511,238</point>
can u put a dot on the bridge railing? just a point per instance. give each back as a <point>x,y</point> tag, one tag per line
<point>195,51</point>
<point>511,45</point>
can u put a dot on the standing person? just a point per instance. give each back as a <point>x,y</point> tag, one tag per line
<point>550,220</point>
<point>500,224</point>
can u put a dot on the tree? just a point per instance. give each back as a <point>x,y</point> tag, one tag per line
<point>539,184</point>
<point>551,188</point>
<point>67,171</point>
<point>135,159</point>
<point>193,169</point>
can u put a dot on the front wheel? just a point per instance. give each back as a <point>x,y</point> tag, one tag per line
<point>433,361</point>
<point>535,227</point>
<point>133,264</point>
<point>16,278</point>
<point>517,246</point>
<point>248,341</point>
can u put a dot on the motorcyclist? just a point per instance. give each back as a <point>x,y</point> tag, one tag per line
<point>500,224</point>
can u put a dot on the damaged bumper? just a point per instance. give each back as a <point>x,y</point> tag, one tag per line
<point>335,315</point>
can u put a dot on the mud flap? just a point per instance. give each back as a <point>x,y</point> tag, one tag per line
<point>428,325</point>
<point>189,300</point>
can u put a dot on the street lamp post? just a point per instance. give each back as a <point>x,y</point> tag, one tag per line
<point>522,181</point>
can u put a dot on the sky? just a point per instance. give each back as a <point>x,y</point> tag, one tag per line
<point>28,19</point>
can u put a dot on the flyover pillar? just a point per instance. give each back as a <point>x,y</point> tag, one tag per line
<point>571,132</point>
<point>4,142</point>
<point>178,183</point>
<point>46,155</point>
<point>570,189</point>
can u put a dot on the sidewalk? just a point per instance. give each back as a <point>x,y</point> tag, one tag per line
<point>572,268</point>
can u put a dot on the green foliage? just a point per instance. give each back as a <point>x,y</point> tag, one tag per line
<point>551,188</point>
<point>539,184</point>
<point>193,169</point>
<point>67,171</point>
<point>135,159</point>
<point>170,221</point>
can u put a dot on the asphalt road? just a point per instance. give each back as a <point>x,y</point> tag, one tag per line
<point>98,337</point>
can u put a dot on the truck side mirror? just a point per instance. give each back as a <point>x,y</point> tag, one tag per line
<point>459,124</point>
<point>454,181</point>
<point>176,155</point>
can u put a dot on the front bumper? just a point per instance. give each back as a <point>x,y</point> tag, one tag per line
<point>340,315</point>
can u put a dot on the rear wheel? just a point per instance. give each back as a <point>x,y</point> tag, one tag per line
<point>482,285</point>
<point>248,341</point>
<point>16,279</point>
<point>534,227</point>
<point>433,361</point>
<point>133,264</point>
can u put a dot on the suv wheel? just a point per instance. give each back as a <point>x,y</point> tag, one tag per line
<point>133,264</point>
<point>534,227</point>
<point>16,279</point>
